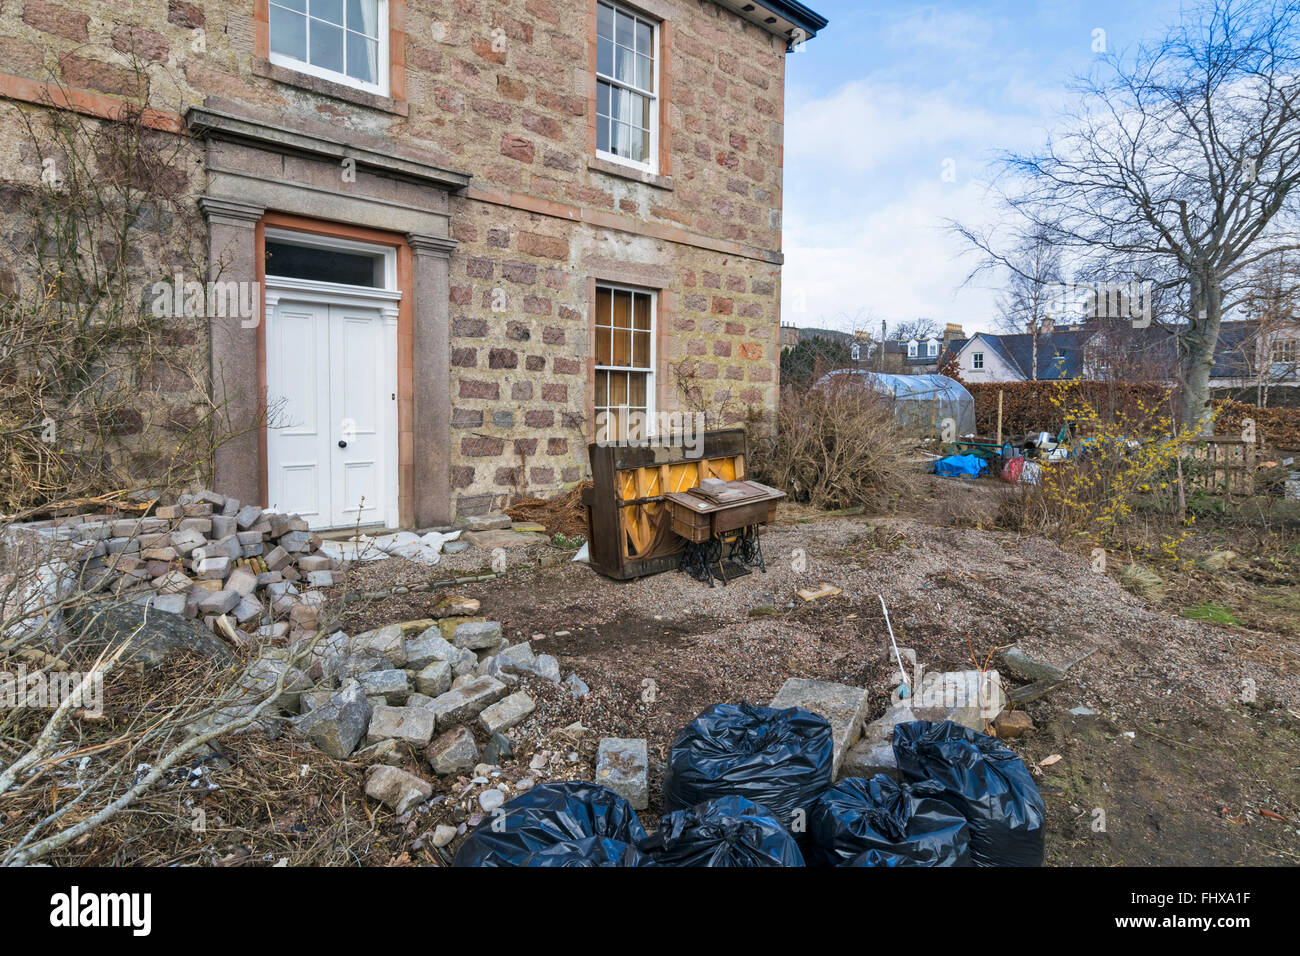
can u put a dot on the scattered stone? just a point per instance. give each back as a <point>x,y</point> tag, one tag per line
<point>411,725</point>
<point>498,747</point>
<point>516,657</point>
<point>455,605</point>
<point>337,725</point>
<point>506,713</point>
<point>490,800</point>
<point>219,602</point>
<point>1012,723</point>
<point>543,665</point>
<point>489,522</point>
<point>443,834</point>
<point>577,686</point>
<point>264,674</point>
<point>455,751</point>
<point>435,679</point>
<point>491,540</point>
<point>430,646</point>
<point>392,685</point>
<point>1025,667</point>
<point>467,701</point>
<point>866,759</point>
<point>397,789</point>
<point>622,764</point>
<point>386,642</point>
<point>152,638</point>
<point>479,635</point>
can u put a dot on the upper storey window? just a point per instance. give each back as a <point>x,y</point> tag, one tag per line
<point>627,104</point>
<point>345,41</point>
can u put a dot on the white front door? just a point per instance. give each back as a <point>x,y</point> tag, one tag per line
<point>331,444</point>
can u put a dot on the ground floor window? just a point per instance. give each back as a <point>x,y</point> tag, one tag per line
<point>624,349</point>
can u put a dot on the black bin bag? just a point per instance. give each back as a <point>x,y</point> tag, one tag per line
<point>780,759</point>
<point>592,852</point>
<point>727,831</point>
<point>881,822</point>
<point>557,824</point>
<point>982,779</point>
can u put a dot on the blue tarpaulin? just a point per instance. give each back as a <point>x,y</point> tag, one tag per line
<point>960,466</point>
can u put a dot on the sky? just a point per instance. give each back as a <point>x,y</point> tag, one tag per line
<point>895,116</point>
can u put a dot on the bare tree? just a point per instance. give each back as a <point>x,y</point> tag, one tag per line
<point>1178,167</point>
<point>919,328</point>
<point>1272,303</point>
<point>1029,303</point>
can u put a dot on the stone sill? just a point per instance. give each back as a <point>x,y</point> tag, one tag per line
<point>328,88</point>
<point>629,172</point>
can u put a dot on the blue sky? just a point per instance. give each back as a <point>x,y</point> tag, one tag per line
<point>876,107</point>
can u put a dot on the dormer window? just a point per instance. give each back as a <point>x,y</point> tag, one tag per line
<point>932,348</point>
<point>912,348</point>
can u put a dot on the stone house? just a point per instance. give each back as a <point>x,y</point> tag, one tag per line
<point>476,227</point>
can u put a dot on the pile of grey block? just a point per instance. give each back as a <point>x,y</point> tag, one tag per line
<point>206,556</point>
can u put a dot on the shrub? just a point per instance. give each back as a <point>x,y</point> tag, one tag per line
<point>1133,454</point>
<point>837,446</point>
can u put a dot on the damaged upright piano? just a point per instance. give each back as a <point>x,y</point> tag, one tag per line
<point>659,506</point>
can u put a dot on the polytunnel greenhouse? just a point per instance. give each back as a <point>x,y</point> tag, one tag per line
<point>921,402</point>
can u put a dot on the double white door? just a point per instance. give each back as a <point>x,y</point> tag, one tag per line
<point>331,394</point>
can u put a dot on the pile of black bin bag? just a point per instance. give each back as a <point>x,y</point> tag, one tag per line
<point>752,786</point>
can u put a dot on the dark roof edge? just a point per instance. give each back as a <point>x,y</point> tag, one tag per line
<point>806,19</point>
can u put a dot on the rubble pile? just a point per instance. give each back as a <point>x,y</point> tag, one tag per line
<point>239,568</point>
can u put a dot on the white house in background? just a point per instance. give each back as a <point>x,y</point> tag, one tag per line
<point>1246,357</point>
<point>986,357</point>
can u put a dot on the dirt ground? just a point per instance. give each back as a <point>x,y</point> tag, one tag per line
<point>1191,755</point>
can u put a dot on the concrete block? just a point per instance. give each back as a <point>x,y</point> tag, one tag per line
<point>623,765</point>
<point>844,706</point>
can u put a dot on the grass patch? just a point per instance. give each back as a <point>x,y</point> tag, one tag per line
<point>1214,613</point>
<point>1141,581</point>
<point>763,610</point>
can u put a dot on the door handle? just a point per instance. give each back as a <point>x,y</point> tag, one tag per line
<point>342,443</point>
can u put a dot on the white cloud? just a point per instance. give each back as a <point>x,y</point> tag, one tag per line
<point>864,125</point>
<point>866,204</point>
<point>897,262</point>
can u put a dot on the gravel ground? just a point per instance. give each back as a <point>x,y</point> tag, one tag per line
<point>658,650</point>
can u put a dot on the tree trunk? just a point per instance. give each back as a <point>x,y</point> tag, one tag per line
<point>1200,342</point>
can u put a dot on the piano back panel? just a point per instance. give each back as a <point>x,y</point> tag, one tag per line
<point>629,528</point>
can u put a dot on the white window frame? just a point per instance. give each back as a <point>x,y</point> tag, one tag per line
<point>650,373</point>
<point>977,361</point>
<point>653,165</point>
<point>912,348</point>
<point>1284,351</point>
<point>315,241</point>
<point>301,66</point>
<point>931,348</point>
